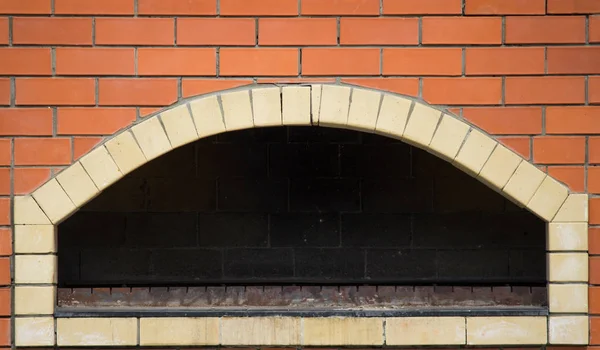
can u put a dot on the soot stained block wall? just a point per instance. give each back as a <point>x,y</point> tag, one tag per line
<point>300,205</point>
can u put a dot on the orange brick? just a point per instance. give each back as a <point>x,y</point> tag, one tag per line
<point>462,30</point>
<point>5,302</point>
<point>42,151</point>
<point>93,121</point>
<point>177,7</point>
<point>216,31</point>
<point>5,250</point>
<point>82,145</point>
<point>594,213</point>
<point>52,31</point>
<point>5,153</point>
<point>505,7</point>
<point>545,29</point>
<point>594,248</point>
<point>148,111</point>
<point>594,292</point>
<point>595,279</point>
<point>340,7</point>
<point>573,6</point>
<point>135,31</point>
<point>547,90</point>
<point>340,61</point>
<point>422,7</point>
<point>4,220</point>
<point>505,60</point>
<point>25,121</point>
<point>422,61</point>
<point>25,61</point>
<point>594,29</point>
<point>4,273</point>
<point>594,89</point>
<point>136,91</point>
<point>506,120</point>
<point>3,30</point>
<point>297,31</point>
<point>558,150</point>
<point>98,61</point>
<point>379,31</point>
<point>181,61</point>
<point>94,7</point>
<point>193,87</point>
<point>4,91</point>
<point>4,181</point>
<point>572,176</point>
<point>462,91</point>
<point>573,60</point>
<point>55,91</point>
<point>573,120</point>
<point>405,86</point>
<point>259,7</point>
<point>28,179</point>
<point>593,180</point>
<point>258,61</point>
<point>29,7</point>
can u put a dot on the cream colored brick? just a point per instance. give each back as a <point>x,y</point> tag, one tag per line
<point>425,331</point>
<point>448,137</point>
<point>125,152</point>
<point>180,331</point>
<point>31,300</point>
<point>54,201</point>
<point>77,184</point>
<point>421,125</point>
<point>266,106</point>
<point>568,236</point>
<point>499,167</point>
<point>548,198</point>
<point>316,91</point>
<point>568,267</point>
<point>28,212</point>
<point>524,182</point>
<point>179,126</point>
<point>475,152</point>
<point>568,298</point>
<point>207,115</point>
<point>364,110</point>
<point>260,331</point>
<point>34,331</point>
<point>34,269</point>
<point>152,138</point>
<point>336,331</point>
<point>35,239</point>
<point>101,167</point>
<point>237,111</point>
<point>519,330</point>
<point>574,209</point>
<point>393,116</point>
<point>568,330</point>
<point>296,105</point>
<point>96,331</point>
<point>335,104</point>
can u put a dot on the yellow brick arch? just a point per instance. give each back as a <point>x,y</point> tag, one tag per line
<point>328,105</point>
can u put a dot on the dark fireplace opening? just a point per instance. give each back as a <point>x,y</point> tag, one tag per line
<point>300,217</point>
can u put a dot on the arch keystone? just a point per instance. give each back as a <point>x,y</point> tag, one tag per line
<point>28,212</point>
<point>152,138</point>
<point>393,116</point>
<point>475,152</point>
<point>125,152</point>
<point>448,137</point>
<point>101,167</point>
<point>548,198</point>
<point>364,110</point>
<point>421,125</point>
<point>524,182</point>
<point>499,167</point>
<point>574,209</point>
<point>335,104</point>
<point>77,184</point>
<point>54,201</point>
<point>179,126</point>
<point>266,106</point>
<point>296,105</point>
<point>237,110</point>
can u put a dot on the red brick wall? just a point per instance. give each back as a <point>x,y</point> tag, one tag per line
<point>74,71</point>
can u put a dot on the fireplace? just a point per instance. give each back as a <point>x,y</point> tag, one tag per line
<point>302,220</point>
